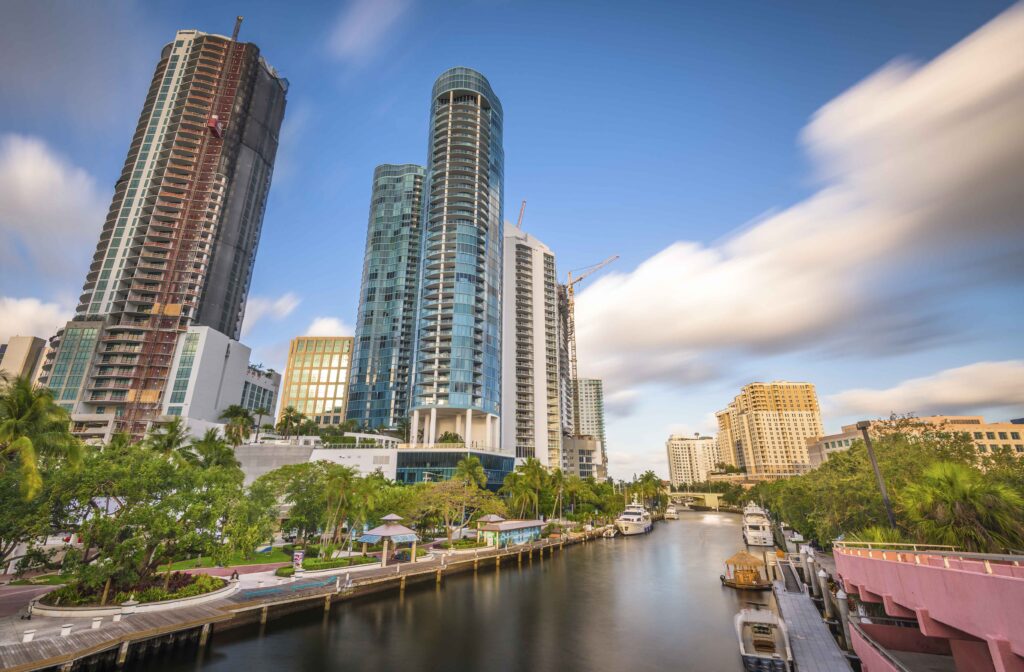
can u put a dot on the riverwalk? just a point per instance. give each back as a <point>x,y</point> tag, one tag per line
<point>260,596</point>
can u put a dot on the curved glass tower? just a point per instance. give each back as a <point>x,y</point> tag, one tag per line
<point>457,385</point>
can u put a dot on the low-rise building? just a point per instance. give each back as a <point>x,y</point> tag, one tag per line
<point>511,532</point>
<point>260,389</point>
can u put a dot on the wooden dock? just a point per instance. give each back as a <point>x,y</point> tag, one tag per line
<point>814,649</point>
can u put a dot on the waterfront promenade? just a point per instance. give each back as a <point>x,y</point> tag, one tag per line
<point>260,596</point>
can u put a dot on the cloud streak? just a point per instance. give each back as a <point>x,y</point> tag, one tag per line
<point>259,308</point>
<point>362,28</point>
<point>329,326</point>
<point>920,201</point>
<point>30,317</point>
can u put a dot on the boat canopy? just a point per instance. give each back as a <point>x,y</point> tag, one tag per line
<point>745,560</point>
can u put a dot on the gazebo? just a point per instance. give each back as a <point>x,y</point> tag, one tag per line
<point>743,571</point>
<point>391,531</point>
<point>489,518</point>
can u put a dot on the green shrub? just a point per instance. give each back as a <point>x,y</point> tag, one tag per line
<point>153,594</point>
<point>285,571</point>
<point>204,583</point>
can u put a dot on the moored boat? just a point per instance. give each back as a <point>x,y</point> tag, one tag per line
<point>763,641</point>
<point>757,529</point>
<point>671,513</point>
<point>635,519</point>
<point>745,571</point>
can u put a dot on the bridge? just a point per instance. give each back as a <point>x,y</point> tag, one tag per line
<point>712,499</point>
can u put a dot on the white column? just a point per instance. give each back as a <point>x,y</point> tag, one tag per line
<point>469,427</point>
<point>433,426</point>
<point>414,429</point>
<point>487,430</point>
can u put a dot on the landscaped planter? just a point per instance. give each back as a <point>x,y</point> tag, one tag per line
<point>40,609</point>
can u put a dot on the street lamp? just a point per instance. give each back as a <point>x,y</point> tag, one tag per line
<point>863,427</point>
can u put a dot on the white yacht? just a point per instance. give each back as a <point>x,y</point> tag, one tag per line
<point>634,520</point>
<point>757,529</point>
<point>763,641</point>
<point>671,513</point>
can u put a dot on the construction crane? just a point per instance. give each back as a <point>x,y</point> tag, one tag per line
<point>522,209</point>
<point>570,305</point>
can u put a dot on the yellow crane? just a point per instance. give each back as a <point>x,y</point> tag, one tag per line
<point>570,305</point>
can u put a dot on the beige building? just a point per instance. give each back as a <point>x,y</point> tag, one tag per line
<point>987,436</point>
<point>764,430</point>
<point>316,380</point>
<point>22,356</point>
<point>691,458</point>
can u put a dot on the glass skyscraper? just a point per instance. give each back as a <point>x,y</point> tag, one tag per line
<point>379,388</point>
<point>457,383</point>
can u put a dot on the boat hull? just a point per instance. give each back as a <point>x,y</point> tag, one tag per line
<point>629,528</point>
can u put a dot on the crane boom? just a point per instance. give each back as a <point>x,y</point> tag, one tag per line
<point>570,304</point>
<point>522,209</point>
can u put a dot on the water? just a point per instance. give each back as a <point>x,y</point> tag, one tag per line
<point>651,602</point>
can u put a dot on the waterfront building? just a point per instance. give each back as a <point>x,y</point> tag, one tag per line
<point>987,437</point>
<point>316,378</point>
<point>502,533</point>
<point>21,356</point>
<point>691,458</point>
<point>457,360</point>
<point>764,430</point>
<point>180,238</point>
<point>260,390</point>
<point>531,422</point>
<point>589,396</point>
<point>382,356</point>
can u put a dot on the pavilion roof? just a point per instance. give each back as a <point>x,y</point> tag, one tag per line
<point>391,531</point>
<point>745,559</point>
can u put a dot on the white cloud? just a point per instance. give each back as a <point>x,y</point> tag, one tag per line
<point>920,201</point>
<point>50,210</point>
<point>964,390</point>
<point>363,26</point>
<point>30,317</point>
<point>329,326</point>
<point>623,464</point>
<point>259,307</point>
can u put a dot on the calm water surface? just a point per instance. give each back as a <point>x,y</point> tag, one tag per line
<point>651,602</point>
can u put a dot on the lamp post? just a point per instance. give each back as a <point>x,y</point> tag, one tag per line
<point>863,426</point>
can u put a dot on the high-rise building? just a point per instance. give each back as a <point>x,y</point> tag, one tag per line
<point>21,356</point>
<point>531,419</point>
<point>764,430</point>
<point>457,379</point>
<point>180,238</point>
<point>566,389</point>
<point>382,359</point>
<point>316,380</point>
<point>691,458</point>
<point>589,394</point>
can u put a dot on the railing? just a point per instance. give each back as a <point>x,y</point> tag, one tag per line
<point>475,445</point>
<point>872,545</point>
<point>878,649</point>
<point>894,550</point>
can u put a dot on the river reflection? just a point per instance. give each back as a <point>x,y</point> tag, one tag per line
<point>651,602</point>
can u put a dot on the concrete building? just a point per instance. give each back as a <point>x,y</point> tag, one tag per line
<point>988,437</point>
<point>691,458</point>
<point>180,238</point>
<point>764,430</point>
<point>566,389</point>
<point>382,360</point>
<point>21,356</point>
<point>589,397</point>
<point>457,361</point>
<point>532,421</point>
<point>316,380</point>
<point>582,456</point>
<point>260,390</point>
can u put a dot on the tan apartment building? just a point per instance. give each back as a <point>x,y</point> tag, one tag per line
<point>691,458</point>
<point>316,379</point>
<point>22,356</point>
<point>764,430</point>
<point>986,436</point>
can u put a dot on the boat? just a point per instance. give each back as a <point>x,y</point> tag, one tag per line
<point>609,533</point>
<point>757,529</point>
<point>671,513</point>
<point>743,571</point>
<point>763,641</point>
<point>634,520</point>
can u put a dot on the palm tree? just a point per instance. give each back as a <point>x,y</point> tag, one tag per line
<point>956,505</point>
<point>169,439</point>
<point>32,425</point>
<point>535,476</point>
<point>239,423</point>
<point>259,413</point>
<point>518,492</point>
<point>290,420</point>
<point>470,471</point>
<point>576,488</point>
<point>557,483</point>
<point>213,451</point>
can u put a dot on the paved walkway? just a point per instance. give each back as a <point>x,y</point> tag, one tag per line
<point>814,649</point>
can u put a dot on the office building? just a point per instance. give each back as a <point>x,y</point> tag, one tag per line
<point>457,379</point>
<point>764,430</point>
<point>566,389</point>
<point>589,397</point>
<point>531,421</point>
<point>316,380</point>
<point>179,241</point>
<point>382,358</point>
<point>691,458</point>
<point>21,356</point>
<point>260,390</point>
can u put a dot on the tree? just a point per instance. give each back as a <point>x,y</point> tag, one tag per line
<point>956,505</point>
<point>535,477</point>
<point>212,451</point>
<point>250,522</point>
<point>557,482</point>
<point>259,413</point>
<point>456,504</point>
<point>449,437</point>
<point>33,428</point>
<point>290,421</point>
<point>517,492</point>
<point>22,520</point>
<point>170,440</point>
<point>240,423</point>
<point>470,471</point>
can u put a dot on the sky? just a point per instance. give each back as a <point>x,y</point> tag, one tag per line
<point>822,192</point>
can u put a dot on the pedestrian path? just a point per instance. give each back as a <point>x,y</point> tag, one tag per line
<point>814,649</point>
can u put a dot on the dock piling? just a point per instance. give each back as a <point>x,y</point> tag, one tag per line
<point>263,615</point>
<point>122,654</point>
<point>204,635</point>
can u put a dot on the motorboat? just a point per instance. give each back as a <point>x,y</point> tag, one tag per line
<point>609,532</point>
<point>763,641</point>
<point>757,529</point>
<point>635,519</point>
<point>671,513</point>
<point>745,571</point>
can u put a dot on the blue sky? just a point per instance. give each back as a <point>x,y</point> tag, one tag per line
<point>689,138</point>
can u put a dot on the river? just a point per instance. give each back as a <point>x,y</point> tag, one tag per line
<point>628,604</point>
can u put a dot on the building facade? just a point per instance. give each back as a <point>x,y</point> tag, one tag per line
<point>21,356</point>
<point>531,422</point>
<point>566,389</point>
<point>260,390</point>
<point>691,458</point>
<point>382,359</point>
<point>589,397</point>
<point>317,377</point>
<point>179,241</point>
<point>764,430</point>
<point>457,361</point>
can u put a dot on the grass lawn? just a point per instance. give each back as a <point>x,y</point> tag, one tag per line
<point>236,560</point>
<point>45,580</point>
